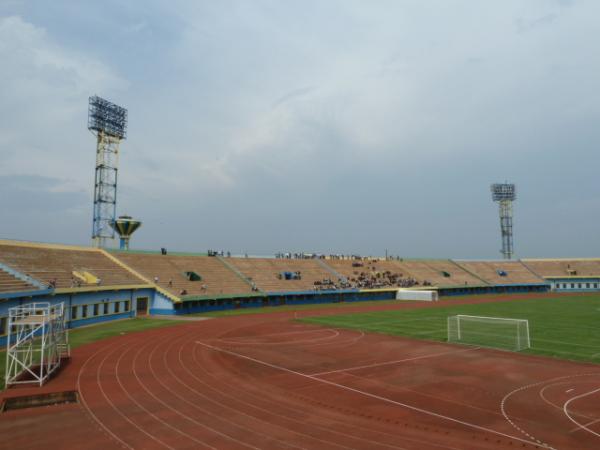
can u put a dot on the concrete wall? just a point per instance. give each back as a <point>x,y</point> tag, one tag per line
<point>161,304</point>
<point>85,308</point>
<point>575,284</point>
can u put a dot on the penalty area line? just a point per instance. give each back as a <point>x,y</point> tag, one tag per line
<point>370,395</point>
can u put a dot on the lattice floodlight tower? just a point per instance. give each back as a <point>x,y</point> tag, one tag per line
<point>37,341</point>
<point>109,123</point>
<point>505,194</point>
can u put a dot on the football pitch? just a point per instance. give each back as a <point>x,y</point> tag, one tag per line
<point>561,327</point>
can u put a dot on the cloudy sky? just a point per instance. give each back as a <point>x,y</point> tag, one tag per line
<point>326,125</point>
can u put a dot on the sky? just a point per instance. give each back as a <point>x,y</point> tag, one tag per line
<point>329,126</point>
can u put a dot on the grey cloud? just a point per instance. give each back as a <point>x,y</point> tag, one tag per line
<point>328,126</point>
<point>296,93</point>
<point>525,25</point>
<point>34,193</point>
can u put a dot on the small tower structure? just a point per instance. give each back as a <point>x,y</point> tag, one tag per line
<point>504,194</point>
<point>108,122</point>
<point>125,226</point>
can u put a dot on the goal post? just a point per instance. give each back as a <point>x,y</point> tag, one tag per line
<point>495,332</point>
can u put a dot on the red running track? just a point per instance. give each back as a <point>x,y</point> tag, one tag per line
<point>267,382</point>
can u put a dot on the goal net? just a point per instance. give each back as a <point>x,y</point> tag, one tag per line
<point>496,332</point>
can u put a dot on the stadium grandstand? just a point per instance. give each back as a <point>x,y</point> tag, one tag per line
<point>502,272</point>
<point>99,285</point>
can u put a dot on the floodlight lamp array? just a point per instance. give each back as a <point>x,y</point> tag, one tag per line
<point>503,191</point>
<point>106,117</point>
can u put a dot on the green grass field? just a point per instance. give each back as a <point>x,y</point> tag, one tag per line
<point>86,335</point>
<point>292,308</point>
<point>562,327</point>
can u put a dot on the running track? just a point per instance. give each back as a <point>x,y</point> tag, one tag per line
<point>267,382</point>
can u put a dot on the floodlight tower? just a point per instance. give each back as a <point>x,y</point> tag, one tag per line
<point>108,122</point>
<point>505,194</point>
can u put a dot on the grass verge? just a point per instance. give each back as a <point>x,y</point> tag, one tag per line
<point>290,308</point>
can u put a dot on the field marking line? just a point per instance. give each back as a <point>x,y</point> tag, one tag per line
<point>552,341</point>
<point>238,400</point>
<point>399,321</point>
<point>291,419</point>
<point>541,394</point>
<point>117,410</point>
<point>435,397</point>
<point>566,411</point>
<point>300,341</point>
<point>284,333</point>
<point>234,340</point>
<point>89,410</point>
<point>344,343</point>
<point>387,363</point>
<point>587,425</point>
<point>142,407</point>
<point>505,414</point>
<point>288,418</point>
<point>375,396</point>
<point>205,397</point>
<point>148,364</point>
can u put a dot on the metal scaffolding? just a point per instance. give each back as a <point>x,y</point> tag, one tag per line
<point>37,341</point>
<point>109,123</point>
<point>505,194</point>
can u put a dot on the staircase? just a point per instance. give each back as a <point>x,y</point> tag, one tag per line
<point>240,275</point>
<point>10,283</point>
<point>332,271</point>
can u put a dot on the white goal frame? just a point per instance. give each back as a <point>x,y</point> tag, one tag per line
<point>518,322</point>
<point>37,341</point>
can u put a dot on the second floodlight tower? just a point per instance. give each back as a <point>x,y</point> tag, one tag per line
<point>108,122</point>
<point>505,194</point>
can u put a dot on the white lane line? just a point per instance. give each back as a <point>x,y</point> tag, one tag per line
<point>423,394</point>
<point>118,410</point>
<point>196,406</point>
<point>300,341</point>
<point>541,394</point>
<point>201,366</point>
<point>143,408</point>
<point>566,411</point>
<point>88,409</point>
<point>368,394</point>
<point>569,390</point>
<point>175,410</point>
<point>387,363</point>
<point>509,420</point>
<point>283,333</point>
<point>559,407</point>
<point>587,425</point>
